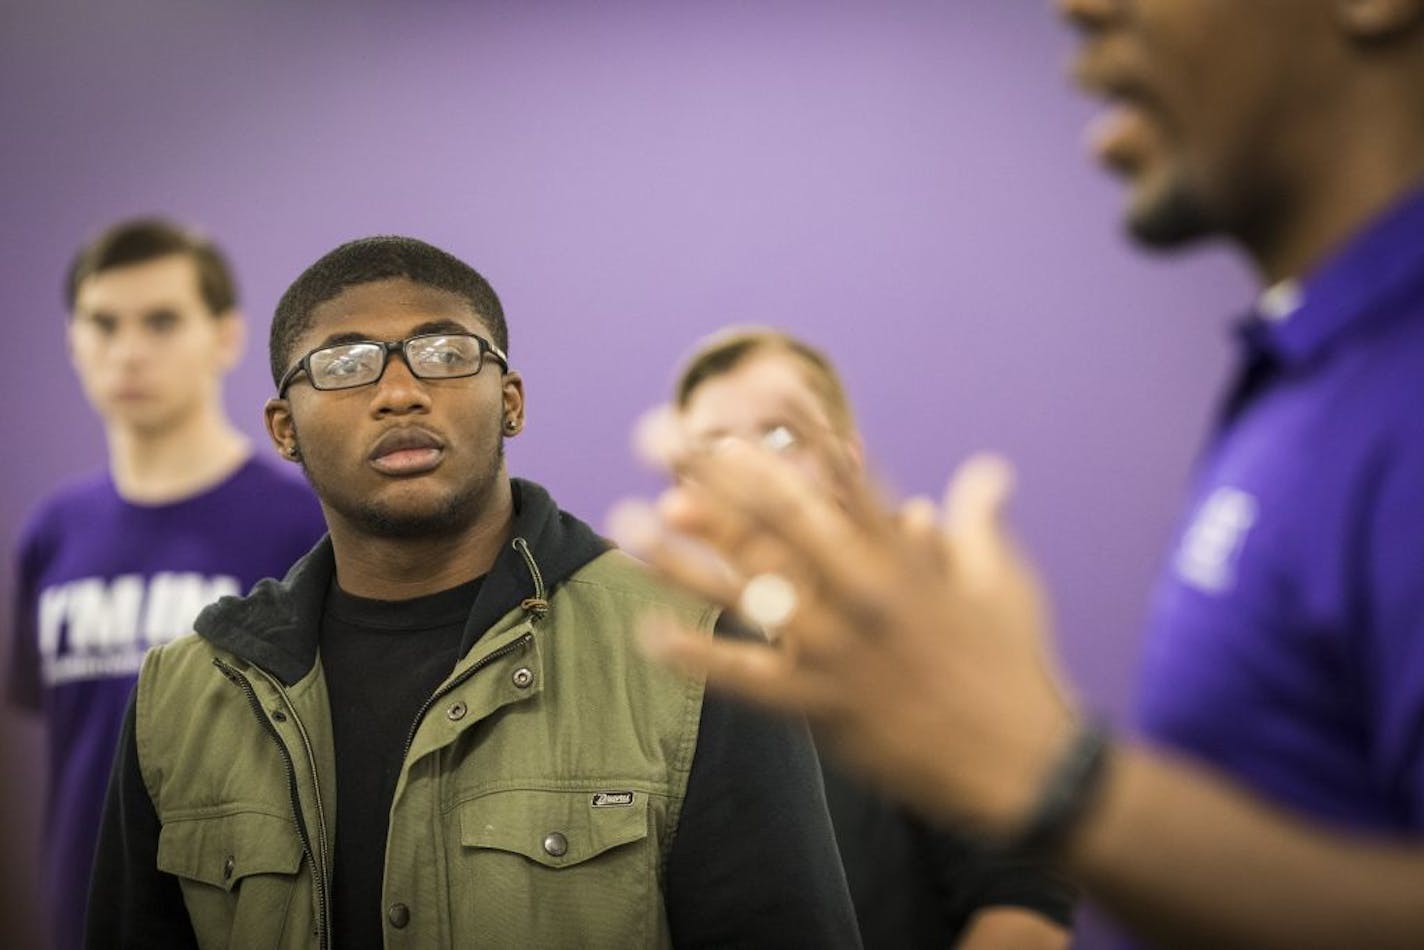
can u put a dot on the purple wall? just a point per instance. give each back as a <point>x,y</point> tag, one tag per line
<point>903,183</point>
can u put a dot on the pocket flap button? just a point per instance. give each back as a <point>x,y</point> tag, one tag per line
<point>555,844</point>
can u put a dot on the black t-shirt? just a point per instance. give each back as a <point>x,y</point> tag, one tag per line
<point>383,660</point>
<point>917,886</point>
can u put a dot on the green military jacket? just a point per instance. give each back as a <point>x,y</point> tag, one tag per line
<point>541,787</point>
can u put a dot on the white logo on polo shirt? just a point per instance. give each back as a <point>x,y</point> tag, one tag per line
<point>1212,545</point>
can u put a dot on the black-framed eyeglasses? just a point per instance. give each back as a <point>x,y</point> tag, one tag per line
<point>363,362</point>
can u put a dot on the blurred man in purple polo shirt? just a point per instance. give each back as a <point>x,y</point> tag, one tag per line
<point>1278,796</point>
<point>123,560</point>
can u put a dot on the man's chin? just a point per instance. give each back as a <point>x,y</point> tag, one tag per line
<point>148,418</point>
<point>411,521</point>
<point>1168,217</point>
<point>420,508</point>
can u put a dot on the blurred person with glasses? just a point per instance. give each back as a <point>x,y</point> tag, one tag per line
<point>437,731</point>
<point>118,562</point>
<point>914,884</point>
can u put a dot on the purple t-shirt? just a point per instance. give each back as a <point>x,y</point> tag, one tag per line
<point>1286,642</point>
<point>100,581</point>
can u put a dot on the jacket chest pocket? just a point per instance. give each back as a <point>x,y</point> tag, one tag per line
<point>237,873</point>
<point>558,869</point>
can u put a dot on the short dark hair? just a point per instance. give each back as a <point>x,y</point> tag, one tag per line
<point>725,351</point>
<point>365,261</point>
<point>139,240</point>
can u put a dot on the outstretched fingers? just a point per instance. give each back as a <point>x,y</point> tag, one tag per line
<point>748,492</point>
<point>689,563</point>
<point>974,508</point>
<point>757,672</point>
<point>922,530</point>
<point>863,500</point>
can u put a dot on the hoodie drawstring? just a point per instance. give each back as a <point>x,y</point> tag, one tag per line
<point>536,605</point>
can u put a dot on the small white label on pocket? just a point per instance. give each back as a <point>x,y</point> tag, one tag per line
<point>612,799</point>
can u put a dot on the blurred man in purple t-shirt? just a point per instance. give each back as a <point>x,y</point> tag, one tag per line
<point>125,559</point>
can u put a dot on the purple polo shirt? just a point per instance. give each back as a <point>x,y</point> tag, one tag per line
<point>100,581</point>
<point>1286,639</point>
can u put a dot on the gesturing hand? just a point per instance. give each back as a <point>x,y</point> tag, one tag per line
<point>915,638</point>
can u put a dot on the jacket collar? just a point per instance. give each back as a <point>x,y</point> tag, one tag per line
<point>277,625</point>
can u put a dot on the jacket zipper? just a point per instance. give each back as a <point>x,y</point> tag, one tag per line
<point>483,662</point>
<point>537,605</point>
<point>311,760</point>
<point>318,870</point>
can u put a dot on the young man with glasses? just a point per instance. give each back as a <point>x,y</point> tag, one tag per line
<point>123,561</point>
<point>435,731</point>
<point>914,885</point>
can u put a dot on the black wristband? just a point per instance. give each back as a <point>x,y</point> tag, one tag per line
<point>1070,789</point>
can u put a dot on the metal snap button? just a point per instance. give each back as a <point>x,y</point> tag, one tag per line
<point>398,915</point>
<point>555,844</point>
<point>456,711</point>
<point>278,715</point>
<point>523,677</point>
<point>228,867</point>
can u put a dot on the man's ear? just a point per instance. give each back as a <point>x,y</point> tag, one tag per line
<point>1376,20</point>
<point>281,429</point>
<point>513,403</point>
<point>232,338</point>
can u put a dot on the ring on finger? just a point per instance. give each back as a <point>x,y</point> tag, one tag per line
<point>768,600</point>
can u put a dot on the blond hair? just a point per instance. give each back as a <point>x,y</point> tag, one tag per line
<point>727,349</point>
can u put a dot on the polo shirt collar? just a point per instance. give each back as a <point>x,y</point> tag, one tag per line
<point>1297,321</point>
